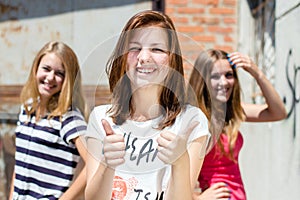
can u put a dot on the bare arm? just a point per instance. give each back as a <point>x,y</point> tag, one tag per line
<point>78,186</point>
<point>11,191</point>
<point>179,186</point>
<point>197,154</point>
<point>274,108</point>
<point>100,172</point>
<point>185,163</point>
<point>100,180</point>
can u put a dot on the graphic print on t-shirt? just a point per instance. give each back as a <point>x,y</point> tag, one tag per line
<point>140,146</point>
<point>122,189</point>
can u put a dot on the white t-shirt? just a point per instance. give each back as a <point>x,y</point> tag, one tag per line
<point>143,175</point>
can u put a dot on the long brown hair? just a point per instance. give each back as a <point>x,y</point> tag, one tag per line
<point>232,113</point>
<point>172,97</point>
<point>71,94</point>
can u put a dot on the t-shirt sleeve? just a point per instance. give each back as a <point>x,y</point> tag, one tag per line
<point>192,115</point>
<point>73,126</point>
<point>187,118</point>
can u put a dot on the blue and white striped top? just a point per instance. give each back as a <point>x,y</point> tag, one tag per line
<point>46,157</point>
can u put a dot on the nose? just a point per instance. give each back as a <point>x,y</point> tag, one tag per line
<point>223,80</point>
<point>144,55</point>
<point>51,75</point>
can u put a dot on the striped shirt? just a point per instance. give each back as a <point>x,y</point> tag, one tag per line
<point>46,157</point>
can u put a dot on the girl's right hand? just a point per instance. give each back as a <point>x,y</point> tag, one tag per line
<point>216,191</point>
<point>113,147</point>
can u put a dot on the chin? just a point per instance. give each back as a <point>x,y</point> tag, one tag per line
<point>222,99</point>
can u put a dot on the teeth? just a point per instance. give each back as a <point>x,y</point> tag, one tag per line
<point>145,70</point>
<point>48,85</point>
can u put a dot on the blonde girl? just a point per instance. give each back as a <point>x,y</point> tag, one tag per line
<point>52,118</point>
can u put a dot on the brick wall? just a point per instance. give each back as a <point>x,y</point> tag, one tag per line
<point>208,23</point>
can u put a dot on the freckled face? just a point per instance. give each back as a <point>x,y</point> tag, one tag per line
<point>222,81</point>
<point>50,76</point>
<point>148,57</point>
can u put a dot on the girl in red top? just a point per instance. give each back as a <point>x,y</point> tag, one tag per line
<point>215,82</point>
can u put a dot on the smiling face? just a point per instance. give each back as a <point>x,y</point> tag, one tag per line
<point>50,76</point>
<point>148,57</point>
<point>222,80</point>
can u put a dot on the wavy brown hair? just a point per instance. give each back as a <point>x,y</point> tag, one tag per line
<point>172,96</point>
<point>223,118</point>
<point>70,96</point>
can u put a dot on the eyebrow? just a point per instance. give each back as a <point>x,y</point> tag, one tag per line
<point>62,70</point>
<point>152,44</point>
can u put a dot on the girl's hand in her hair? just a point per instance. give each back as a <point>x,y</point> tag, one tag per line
<point>113,147</point>
<point>218,191</point>
<point>239,60</point>
<point>172,146</point>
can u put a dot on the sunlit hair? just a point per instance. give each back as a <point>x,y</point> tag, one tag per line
<point>200,84</point>
<point>172,97</point>
<point>70,96</point>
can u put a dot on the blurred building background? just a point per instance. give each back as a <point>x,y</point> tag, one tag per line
<point>267,30</point>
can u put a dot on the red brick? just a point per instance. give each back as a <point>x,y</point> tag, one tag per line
<point>177,2</point>
<point>190,29</point>
<point>170,11</point>
<point>207,20</point>
<point>191,47</point>
<point>222,11</point>
<point>180,20</point>
<point>226,48</point>
<point>228,38</point>
<point>191,10</point>
<point>229,20</point>
<point>218,29</point>
<point>205,38</point>
<point>206,2</point>
<point>229,2</point>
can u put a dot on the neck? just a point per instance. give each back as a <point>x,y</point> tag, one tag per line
<point>145,103</point>
<point>42,109</point>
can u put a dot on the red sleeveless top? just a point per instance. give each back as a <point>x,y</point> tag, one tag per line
<point>219,168</point>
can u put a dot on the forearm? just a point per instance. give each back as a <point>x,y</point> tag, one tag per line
<point>100,185</point>
<point>77,187</point>
<point>11,191</point>
<point>275,105</point>
<point>179,186</point>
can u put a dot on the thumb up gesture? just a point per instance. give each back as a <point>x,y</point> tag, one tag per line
<point>172,146</point>
<point>113,146</point>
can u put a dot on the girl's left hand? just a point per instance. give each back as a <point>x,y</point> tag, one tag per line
<point>238,59</point>
<point>172,146</point>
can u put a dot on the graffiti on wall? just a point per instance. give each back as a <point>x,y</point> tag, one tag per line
<point>292,73</point>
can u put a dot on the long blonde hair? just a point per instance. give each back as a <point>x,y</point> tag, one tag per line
<point>172,97</point>
<point>71,94</point>
<point>232,113</point>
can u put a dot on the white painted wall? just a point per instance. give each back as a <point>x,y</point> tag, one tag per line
<point>82,27</point>
<point>270,158</point>
<point>288,69</point>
